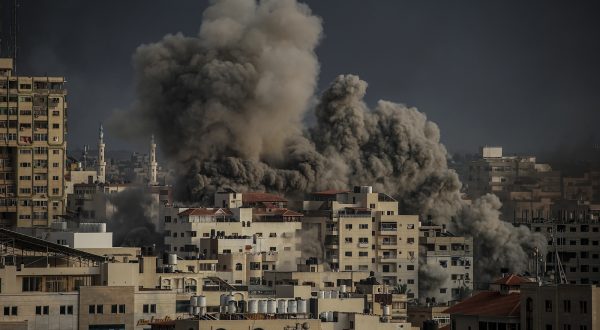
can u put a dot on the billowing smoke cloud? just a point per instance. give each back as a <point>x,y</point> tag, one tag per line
<point>130,222</point>
<point>227,107</point>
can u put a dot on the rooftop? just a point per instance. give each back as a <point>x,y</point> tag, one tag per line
<point>205,212</point>
<point>489,303</point>
<point>512,280</point>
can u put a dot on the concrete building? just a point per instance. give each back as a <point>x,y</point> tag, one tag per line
<point>562,306</point>
<point>451,254</point>
<point>33,114</point>
<point>578,246</point>
<point>256,224</point>
<point>363,231</point>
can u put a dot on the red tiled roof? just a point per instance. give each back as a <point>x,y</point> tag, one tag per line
<point>255,197</point>
<point>204,211</point>
<point>330,192</point>
<point>512,280</point>
<point>489,303</point>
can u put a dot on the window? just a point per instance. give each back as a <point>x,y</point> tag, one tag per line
<point>410,267</point>
<point>99,309</point>
<point>66,309</point>
<point>548,306</point>
<point>122,309</point>
<point>583,307</point>
<point>363,226</point>
<point>92,309</point>
<point>567,306</point>
<point>348,253</point>
<point>348,239</point>
<point>32,283</point>
<point>272,248</point>
<point>443,290</point>
<point>149,308</point>
<point>363,254</point>
<point>113,309</point>
<point>11,310</point>
<point>347,267</point>
<point>348,226</point>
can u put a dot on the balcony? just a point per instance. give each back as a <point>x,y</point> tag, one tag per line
<point>332,245</point>
<point>364,245</point>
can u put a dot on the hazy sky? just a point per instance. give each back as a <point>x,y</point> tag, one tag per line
<point>522,74</point>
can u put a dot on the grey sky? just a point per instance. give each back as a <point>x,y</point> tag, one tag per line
<point>523,74</point>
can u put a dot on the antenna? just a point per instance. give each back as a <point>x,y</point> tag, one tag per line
<point>562,277</point>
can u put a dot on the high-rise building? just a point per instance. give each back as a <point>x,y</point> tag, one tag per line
<point>33,114</point>
<point>363,230</point>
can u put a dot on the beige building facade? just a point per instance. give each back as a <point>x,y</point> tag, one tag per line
<point>33,112</point>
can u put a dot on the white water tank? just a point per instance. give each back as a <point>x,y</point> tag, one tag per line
<point>329,316</point>
<point>252,306</point>
<point>231,307</point>
<point>334,294</point>
<point>172,260</point>
<point>197,310</point>
<point>343,288</point>
<point>192,310</point>
<point>321,295</point>
<point>202,301</point>
<point>271,306</point>
<point>262,306</point>
<point>194,301</point>
<point>292,306</point>
<point>387,311</point>
<point>282,306</point>
<point>302,306</point>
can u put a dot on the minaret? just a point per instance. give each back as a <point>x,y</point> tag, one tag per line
<point>101,161</point>
<point>152,165</point>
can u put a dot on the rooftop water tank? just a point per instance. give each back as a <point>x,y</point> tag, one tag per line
<point>292,307</point>
<point>262,306</point>
<point>252,306</point>
<point>271,306</point>
<point>302,306</point>
<point>282,306</point>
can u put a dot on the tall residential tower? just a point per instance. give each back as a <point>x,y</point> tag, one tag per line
<point>33,114</point>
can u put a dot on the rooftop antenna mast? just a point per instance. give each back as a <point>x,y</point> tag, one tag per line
<point>561,277</point>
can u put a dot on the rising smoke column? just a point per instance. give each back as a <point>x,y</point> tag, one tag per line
<point>228,104</point>
<point>130,222</point>
<point>227,107</point>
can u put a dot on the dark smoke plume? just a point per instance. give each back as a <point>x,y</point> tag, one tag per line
<point>227,108</point>
<point>130,222</point>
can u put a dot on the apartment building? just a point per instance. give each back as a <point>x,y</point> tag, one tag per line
<point>363,230</point>
<point>451,254</point>
<point>559,306</point>
<point>33,113</point>
<point>577,244</point>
